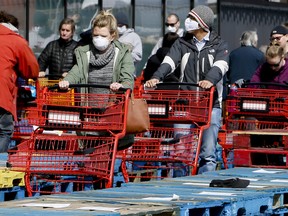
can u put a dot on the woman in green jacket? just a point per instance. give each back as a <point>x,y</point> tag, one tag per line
<point>105,61</point>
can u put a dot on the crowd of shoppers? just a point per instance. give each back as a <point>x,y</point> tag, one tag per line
<point>111,50</point>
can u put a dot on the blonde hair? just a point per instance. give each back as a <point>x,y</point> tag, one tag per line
<point>106,19</point>
<point>274,50</point>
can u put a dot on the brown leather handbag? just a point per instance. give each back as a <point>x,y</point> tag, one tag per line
<point>138,120</point>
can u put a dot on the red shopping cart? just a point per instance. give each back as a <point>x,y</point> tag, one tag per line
<point>82,111</point>
<point>89,154</point>
<point>257,121</point>
<point>156,153</point>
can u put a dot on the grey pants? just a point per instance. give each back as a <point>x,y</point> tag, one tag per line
<point>6,129</point>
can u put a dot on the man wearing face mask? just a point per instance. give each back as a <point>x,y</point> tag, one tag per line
<point>129,37</point>
<point>204,58</point>
<point>172,25</point>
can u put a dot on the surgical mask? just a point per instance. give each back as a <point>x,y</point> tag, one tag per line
<point>171,29</point>
<point>191,25</point>
<point>101,43</point>
<point>122,29</point>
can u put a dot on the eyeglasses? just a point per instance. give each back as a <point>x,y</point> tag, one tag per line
<point>170,24</point>
<point>275,65</point>
<point>276,38</point>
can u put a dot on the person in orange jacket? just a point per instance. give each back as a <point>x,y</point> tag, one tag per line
<point>16,60</point>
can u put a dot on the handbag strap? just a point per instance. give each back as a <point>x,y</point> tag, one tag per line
<point>132,97</point>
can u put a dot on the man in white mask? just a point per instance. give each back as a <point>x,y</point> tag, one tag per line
<point>129,37</point>
<point>172,25</point>
<point>204,58</point>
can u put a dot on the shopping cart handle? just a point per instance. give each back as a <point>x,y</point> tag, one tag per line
<point>54,76</point>
<point>177,83</point>
<point>285,84</point>
<point>56,86</point>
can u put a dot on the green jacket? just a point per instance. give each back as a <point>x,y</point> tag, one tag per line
<point>123,70</point>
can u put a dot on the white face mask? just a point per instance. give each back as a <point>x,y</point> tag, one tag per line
<point>171,29</point>
<point>122,29</point>
<point>101,43</point>
<point>191,25</point>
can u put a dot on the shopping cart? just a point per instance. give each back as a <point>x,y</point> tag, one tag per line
<point>165,149</point>
<point>258,108</point>
<point>257,124</point>
<point>82,111</point>
<point>81,151</point>
<point>66,155</point>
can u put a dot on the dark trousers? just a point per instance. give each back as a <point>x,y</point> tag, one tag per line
<point>6,129</point>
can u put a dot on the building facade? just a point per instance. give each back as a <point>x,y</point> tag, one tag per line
<point>39,19</point>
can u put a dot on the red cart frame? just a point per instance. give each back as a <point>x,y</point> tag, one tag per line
<point>159,149</point>
<point>70,154</point>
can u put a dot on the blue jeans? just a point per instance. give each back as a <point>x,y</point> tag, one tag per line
<point>207,154</point>
<point>6,129</point>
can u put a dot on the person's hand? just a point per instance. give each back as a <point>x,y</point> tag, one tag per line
<point>205,84</point>
<point>64,74</point>
<point>151,83</point>
<point>240,82</point>
<point>42,74</point>
<point>115,86</point>
<point>64,84</point>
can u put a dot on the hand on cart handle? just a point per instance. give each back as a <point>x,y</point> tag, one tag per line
<point>42,74</point>
<point>64,84</point>
<point>151,83</point>
<point>115,86</point>
<point>206,84</point>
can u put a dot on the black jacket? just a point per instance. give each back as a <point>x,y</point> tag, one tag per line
<point>57,57</point>
<point>211,63</point>
<point>155,61</point>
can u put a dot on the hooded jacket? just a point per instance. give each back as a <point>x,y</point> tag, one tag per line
<point>211,63</point>
<point>133,41</point>
<point>16,60</point>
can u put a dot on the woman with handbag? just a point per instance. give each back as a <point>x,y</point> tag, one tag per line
<point>104,61</point>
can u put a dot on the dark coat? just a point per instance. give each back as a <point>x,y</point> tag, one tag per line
<point>211,63</point>
<point>57,57</point>
<point>155,61</point>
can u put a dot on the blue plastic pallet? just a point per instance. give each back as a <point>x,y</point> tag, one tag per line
<point>262,197</point>
<point>7,194</point>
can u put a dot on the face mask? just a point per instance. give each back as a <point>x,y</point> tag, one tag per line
<point>101,43</point>
<point>122,29</point>
<point>171,29</point>
<point>191,25</point>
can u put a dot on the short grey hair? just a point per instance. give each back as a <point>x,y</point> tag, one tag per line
<point>249,38</point>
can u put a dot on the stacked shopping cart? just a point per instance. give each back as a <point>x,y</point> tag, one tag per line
<point>257,123</point>
<point>168,149</point>
<point>75,142</point>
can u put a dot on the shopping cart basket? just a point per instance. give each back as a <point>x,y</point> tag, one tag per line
<point>161,149</point>
<point>258,108</point>
<point>66,155</point>
<point>89,111</point>
<point>169,102</point>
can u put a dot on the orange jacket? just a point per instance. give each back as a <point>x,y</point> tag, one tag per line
<point>16,60</point>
